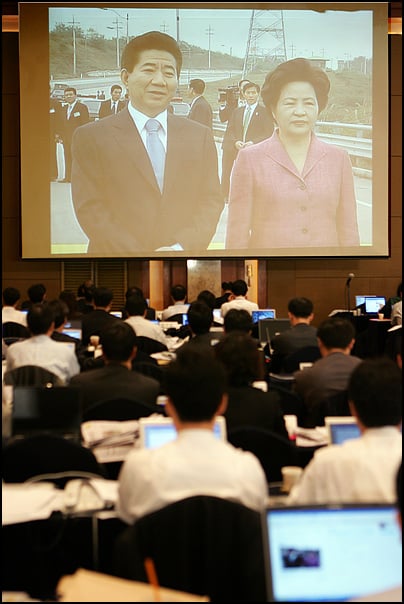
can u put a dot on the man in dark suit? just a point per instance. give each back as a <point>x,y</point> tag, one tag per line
<point>116,378</point>
<point>94,321</point>
<point>201,111</point>
<point>247,125</point>
<point>134,195</point>
<point>76,114</point>
<point>114,104</point>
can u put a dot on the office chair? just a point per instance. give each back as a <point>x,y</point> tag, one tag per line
<point>149,345</point>
<point>119,409</point>
<point>31,375</point>
<point>202,544</point>
<point>307,354</point>
<point>334,404</point>
<point>13,329</point>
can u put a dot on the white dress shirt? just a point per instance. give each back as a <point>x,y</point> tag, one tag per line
<point>240,302</point>
<point>196,463</point>
<point>361,470</point>
<point>42,351</point>
<point>9,313</point>
<point>144,327</point>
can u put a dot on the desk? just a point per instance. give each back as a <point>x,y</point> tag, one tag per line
<point>371,340</point>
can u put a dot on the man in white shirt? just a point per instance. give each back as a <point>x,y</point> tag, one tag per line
<point>136,308</point>
<point>11,297</point>
<point>179,306</point>
<point>238,298</point>
<point>40,349</point>
<point>363,469</point>
<point>197,462</point>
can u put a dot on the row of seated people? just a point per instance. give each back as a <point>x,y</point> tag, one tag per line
<point>197,463</point>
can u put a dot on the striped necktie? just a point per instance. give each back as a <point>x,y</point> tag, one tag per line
<point>155,149</point>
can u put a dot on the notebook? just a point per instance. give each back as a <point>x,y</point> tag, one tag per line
<point>263,313</point>
<point>268,328</point>
<point>56,410</point>
<point>341,428</point>
<point>373,304</point>
<point>331,553</point>
<point>154,432</point>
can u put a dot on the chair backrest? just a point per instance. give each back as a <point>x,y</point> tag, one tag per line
<point>291,403</point>
<point>31,375</point>
<point>178,318</point>
<point>46,454</point>
<point>154,371</point>
<point>120,409</point>
<point>272,450</point>
<point>13,329</point>
<point>334,404</point>
<point>307,354</point>
<point>189,543</point>
<point>150,346</point>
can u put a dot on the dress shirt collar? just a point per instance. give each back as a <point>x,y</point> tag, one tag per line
<point>140,120</point>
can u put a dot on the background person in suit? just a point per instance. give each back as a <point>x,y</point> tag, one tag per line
<point>247,125</point>
<point>114,104</point>
<point>94,321</point>
<point>76,114</point>
<point>119,203</point>
<point>293,189</point>
<point>200,111</point>
<point>115,378</point>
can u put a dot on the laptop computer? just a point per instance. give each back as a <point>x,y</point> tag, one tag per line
<point>268,328</point>
<point>341,428</point>
<point>154,432</point>
<point>72,332</point>
<point>373,304</point>
<point>56,410</point>
<point>331,553</point>
<point>263,313</point>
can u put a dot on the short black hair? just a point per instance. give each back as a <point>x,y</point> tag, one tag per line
<point>118,340</point>
<point>151,40</point>
<point>39,319</point>
<point>336,332</point>
<point>375,388</point>
<point>60,311</point>
<point>103,296</point>
<point>135,305</point>
<point>239,287</point>
<point>197,85</point>
<point>36,292</point>
<point>195,382</point>
<point>241,358</point>
<point>11,295</point>
<point>238,319</point>
<point>178,292</point>
<point>300,307</point>
<point>116,87</point>
<point>200,317</point>
<point>208,297</point>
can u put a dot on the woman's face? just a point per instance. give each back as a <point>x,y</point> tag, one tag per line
<point>296,111</point>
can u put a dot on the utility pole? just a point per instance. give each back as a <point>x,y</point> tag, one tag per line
<point>209,33</point>
<point>73,24</point>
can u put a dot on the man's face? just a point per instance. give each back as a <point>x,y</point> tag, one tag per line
<point>116,94</point>
<point>251,95</point>
<point>153,81</point>
<point>70,97</point>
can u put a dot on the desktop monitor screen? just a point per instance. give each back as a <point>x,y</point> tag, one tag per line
<point>81,45</point>
<point>263,313</point>
<point>374,304</point>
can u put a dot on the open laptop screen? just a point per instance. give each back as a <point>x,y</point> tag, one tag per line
<point>157,432</point>
<point>374,304</point>
<point>341,428</point>
<point>331,553</point>
<point>268,328</point>
<point>263,313</point>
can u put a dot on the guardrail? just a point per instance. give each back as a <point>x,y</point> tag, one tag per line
<point>358,146</point>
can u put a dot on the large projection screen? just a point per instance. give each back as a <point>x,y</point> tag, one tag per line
<point>80,45</point>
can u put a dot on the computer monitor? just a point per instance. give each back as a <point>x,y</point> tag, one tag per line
<point>72,332</point>
<point>331,553</point>
<point>341,428</point>
<point>360,299</point>
<point>269,328</point>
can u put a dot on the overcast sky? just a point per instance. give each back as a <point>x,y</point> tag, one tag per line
<point>330,34</point>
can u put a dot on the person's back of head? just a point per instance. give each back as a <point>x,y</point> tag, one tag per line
<point>118,341</point>
<point>239,287</point>
<point>39,319</point>
<point>36,293</point>
<point>60,311</point>
<point>195,384</point>
<point>103,297</point>
<point>336,332</point>
<point>134,290</point>
<point>135,305</point>
<point>241,358</point>
<point>11,295</point>
<point>197,85</point>
<point>226,286</point>
<point>208,297</point>
<point>69,298</point>
<point>200,317</point>
<point>375,390</point>
<point>300,307</point>
<point>238,319</point>
<point>178,293</point>
<point>86,290</point>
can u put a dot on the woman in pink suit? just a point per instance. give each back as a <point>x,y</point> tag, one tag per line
<point>292,190</point>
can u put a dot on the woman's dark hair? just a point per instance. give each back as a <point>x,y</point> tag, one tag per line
<point>295,70</point>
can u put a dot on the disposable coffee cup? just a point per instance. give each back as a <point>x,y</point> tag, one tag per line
<point>94,341</point>
<point>291,425</point>
<point>290,476</point>
<point>381,316</point>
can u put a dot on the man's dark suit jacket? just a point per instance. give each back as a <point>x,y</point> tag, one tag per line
<point>105,108</point>
<point>78,117</point>
<point>201,112</point>
<point>93,322</point>
<point>259,128</point>
<point>295,338</point>
<point>115,381</point>
<point>249,406</point>
<point>115,193</point>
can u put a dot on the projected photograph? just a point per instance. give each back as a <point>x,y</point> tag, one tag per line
<point>270,139</point>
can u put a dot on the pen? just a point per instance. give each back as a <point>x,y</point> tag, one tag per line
<point>152,578</point>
